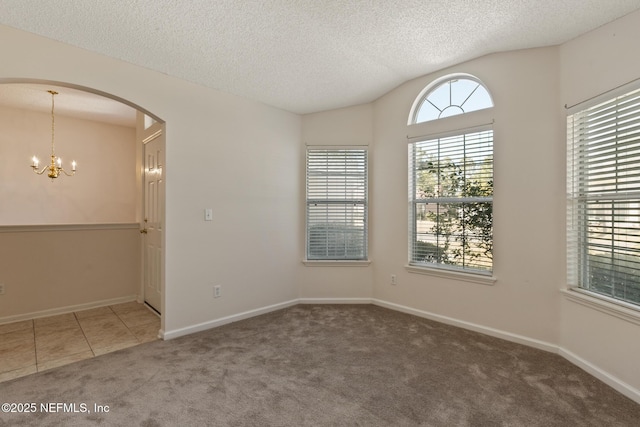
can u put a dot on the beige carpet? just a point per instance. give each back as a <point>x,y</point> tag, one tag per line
<point>322,366</point>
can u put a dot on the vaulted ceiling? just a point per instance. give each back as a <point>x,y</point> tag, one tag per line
<point>307,55</point>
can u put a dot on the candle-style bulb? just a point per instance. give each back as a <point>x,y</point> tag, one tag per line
<point>73,165</point>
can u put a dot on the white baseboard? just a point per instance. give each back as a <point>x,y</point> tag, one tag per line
<point>335,300</point>
<point>612,381</point>
<point>67,309</point>
<point>520,339</point>
<point>167,335</point>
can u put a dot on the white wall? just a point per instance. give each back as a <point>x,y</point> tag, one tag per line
<point>342,127</point>
<point>594,63</point>
<point>236,156</point>
<point>528,194</point>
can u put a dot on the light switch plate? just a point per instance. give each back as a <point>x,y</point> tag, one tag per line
<point>208,214</point>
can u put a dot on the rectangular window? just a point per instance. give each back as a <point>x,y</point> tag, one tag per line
<point>336,204</point>
<point>603,185</point>
<point>451,202</point>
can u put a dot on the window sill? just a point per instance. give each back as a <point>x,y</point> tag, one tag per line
<point>603,304</point>
<point>336,263</point>
<point>454,275</point>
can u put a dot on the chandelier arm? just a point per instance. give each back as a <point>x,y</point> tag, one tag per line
<point>35,169</point>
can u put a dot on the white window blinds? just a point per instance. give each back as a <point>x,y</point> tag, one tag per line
<point>451,202</point>
<point>336,204</point>
<point>603,183</point>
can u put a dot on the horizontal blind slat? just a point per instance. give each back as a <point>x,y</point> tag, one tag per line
<point>603,174</point>
<point>336,204</point>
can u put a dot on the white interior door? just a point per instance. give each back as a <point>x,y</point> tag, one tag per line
<point>153,268</point>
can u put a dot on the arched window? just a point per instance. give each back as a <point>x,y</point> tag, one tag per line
<point>450,96</point>
<point>451,180</point>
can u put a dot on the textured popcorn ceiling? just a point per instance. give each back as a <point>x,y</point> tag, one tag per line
<point>307,56</point>
<point>68,102</point>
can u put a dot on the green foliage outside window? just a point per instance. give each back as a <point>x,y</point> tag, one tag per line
<point>461,233</point>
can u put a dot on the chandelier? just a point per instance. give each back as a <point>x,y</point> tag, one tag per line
<point>54,169</point>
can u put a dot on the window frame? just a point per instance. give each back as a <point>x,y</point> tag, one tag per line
<point>445,200</point>
<point>338,199</point>
<point>460,124</point>
<point>434,85</point>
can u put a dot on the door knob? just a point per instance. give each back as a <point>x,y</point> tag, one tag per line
<point>143,231</point>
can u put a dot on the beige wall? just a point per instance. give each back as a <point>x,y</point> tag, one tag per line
<point>104,189</point>
<point>66,267</point>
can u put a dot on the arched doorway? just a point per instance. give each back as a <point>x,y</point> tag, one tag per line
<point>36,205</point>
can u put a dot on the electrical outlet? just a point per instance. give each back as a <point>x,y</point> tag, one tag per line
<point>394,281</point>
<point>1,288</point>
<point>217,291</point>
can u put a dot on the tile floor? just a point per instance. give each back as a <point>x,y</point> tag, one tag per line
<point>36,345</point>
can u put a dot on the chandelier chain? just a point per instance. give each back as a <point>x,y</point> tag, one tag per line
<point>53,120</point>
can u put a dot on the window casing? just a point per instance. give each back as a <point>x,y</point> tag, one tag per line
<point>336,204</point>
<point>451,179</point>
<point>451,202</point>
<point>603,206</point>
